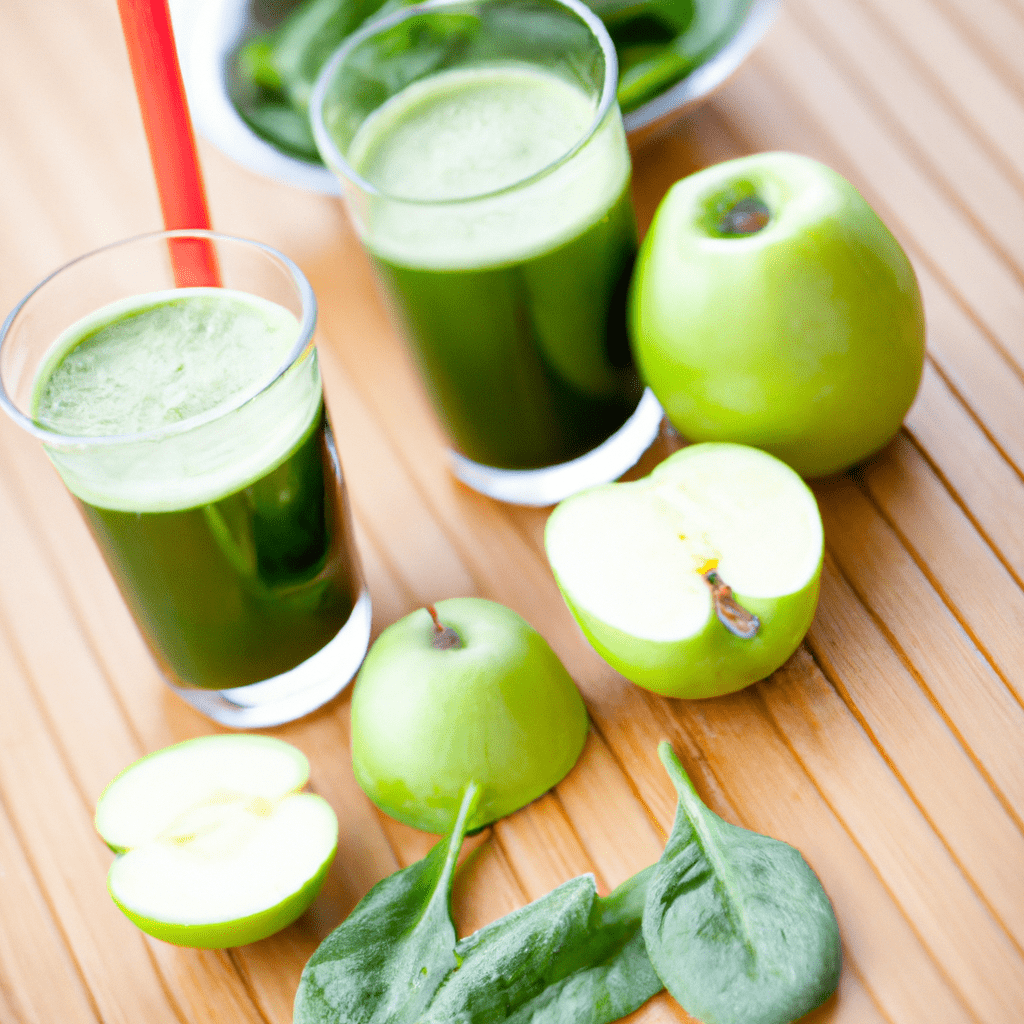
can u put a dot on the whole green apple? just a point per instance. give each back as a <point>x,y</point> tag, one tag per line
<point>215,844</point>
<point>770,306</point>
<point>697,580</point>
<point>464,692</point>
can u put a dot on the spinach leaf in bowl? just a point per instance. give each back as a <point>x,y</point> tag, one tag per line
<point>658,43</point>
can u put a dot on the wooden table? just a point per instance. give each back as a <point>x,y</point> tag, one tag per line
<point>889,749</point>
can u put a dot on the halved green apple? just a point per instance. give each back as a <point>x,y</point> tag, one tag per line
<point>216,845</point>
<point>464,691</point>
<point>697,580</point>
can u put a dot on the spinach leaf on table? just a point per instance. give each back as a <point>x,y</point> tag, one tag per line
<point>737,924</point>
<point>734,924</point>
<point>570,957</point>
<point>386,960</point>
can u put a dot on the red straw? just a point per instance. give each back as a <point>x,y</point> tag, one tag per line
<point>172,145</point>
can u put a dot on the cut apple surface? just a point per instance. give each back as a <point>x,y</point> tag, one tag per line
<point>698,579</point>
<point>216,845</point>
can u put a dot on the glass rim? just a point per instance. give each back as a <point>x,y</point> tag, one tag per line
<point>304,341</point>
<point>338,162</point>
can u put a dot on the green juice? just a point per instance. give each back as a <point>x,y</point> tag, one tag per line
<point>229,541</point>
<point>507,263</point>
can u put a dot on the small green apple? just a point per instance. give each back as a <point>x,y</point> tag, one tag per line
<point>770,306</point>
<point>215,844</point>
<point>464,692</point>
<point>697,580</point>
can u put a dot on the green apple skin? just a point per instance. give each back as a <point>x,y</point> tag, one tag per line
<point>805,338</point>
<point>240,932</point>
<point>500,711</point>
<point>712,661</point>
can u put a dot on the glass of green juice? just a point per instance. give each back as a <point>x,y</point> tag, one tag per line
<point>188,422</point>
<point>484,165</point>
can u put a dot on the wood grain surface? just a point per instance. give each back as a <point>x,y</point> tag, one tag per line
<point>888,749</point>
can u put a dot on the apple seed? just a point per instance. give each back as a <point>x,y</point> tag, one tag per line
<point>445,638</point>
<point>730,613</point>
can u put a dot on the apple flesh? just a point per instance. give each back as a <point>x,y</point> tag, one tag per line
<point>478,696</point>
<point>216,846</point>
<point>640,566</point>
<point>772,307</point>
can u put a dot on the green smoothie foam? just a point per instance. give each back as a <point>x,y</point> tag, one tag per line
<point>155,379</point>
<point>445,151</point>
<point>154,360</point>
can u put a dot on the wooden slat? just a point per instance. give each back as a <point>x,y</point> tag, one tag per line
<point>968,692</point>
<point>903,94</point>
<point>909,201</point>
<point>985,379</point>
<point>45,805</point>
<point>997,31</point>
<point>974,89</point>
<point>931,887</point>
<point>59,54</point>
<point>989,487</point>
<point>28,994</point>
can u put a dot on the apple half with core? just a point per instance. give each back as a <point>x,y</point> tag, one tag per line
<point>464,691</point>
<point>215,845</point>
<point>771,306</point>
<point>697,580</point>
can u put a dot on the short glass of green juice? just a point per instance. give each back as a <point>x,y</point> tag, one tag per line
<point>484,165</point>
<point>173,381</point>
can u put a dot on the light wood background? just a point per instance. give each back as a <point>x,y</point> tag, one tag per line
<point>889,749</point>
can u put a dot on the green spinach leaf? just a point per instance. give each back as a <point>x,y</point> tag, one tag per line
<point>737,924</point>
<point>570,957</point>
<point>289,58</point>
<point>385,961</point>
<point>658,43</point>
<point>648,65</point>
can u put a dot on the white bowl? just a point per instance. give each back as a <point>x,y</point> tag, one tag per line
<point>210,32</point>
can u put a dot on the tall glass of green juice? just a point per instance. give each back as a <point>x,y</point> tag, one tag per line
<point>184,411</point>
<point>484,165</point>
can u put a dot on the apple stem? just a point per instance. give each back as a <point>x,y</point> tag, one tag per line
<point>745,217</point>
<point>730,612</point>
<point>445,638</point>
